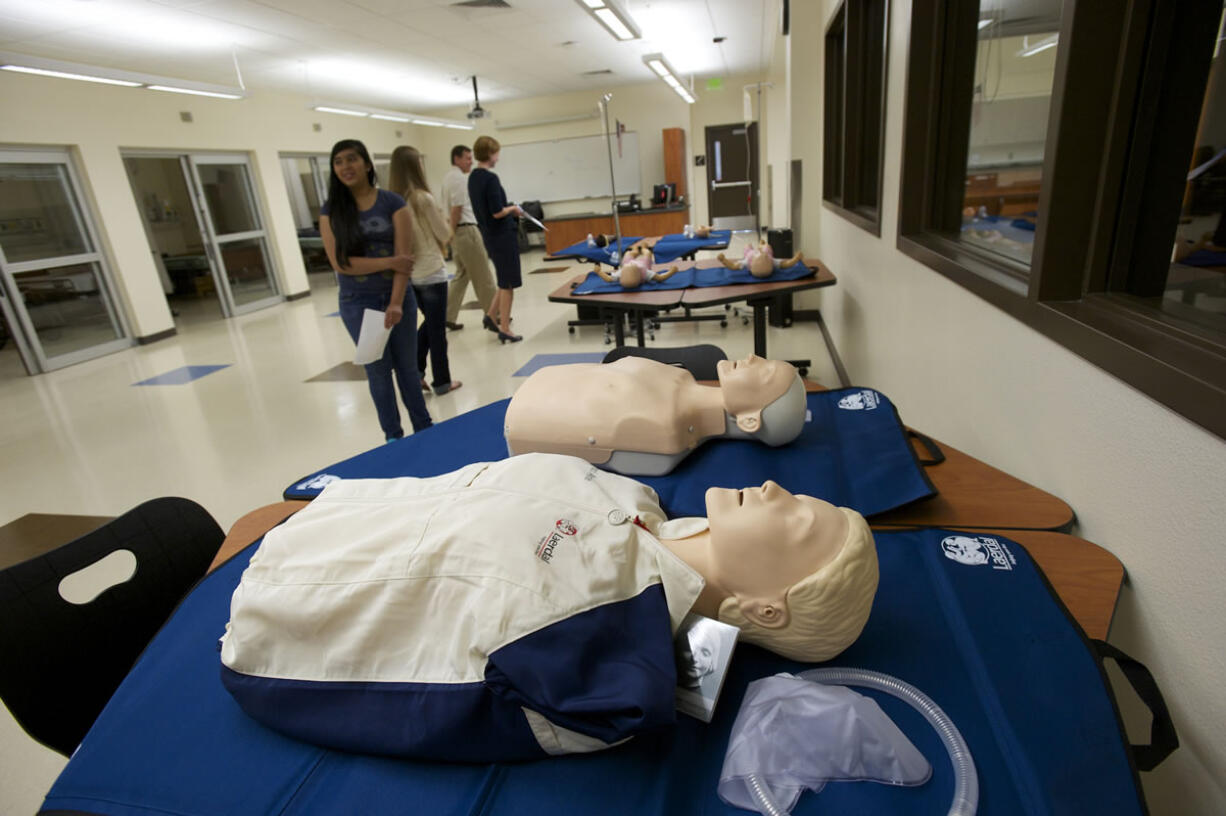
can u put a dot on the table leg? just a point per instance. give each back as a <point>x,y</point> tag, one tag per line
<point>759,327</point>
<point>638,326</point>
<point>619,328</point>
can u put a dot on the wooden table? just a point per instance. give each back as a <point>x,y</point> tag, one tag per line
<point>615,305</point>
<point>565,230</point>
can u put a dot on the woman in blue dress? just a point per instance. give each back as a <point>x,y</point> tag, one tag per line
<point>366,233</point>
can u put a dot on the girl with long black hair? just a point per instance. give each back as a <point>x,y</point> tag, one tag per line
<point>367,235</point>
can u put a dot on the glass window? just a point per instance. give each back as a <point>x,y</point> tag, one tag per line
<point>230,204</point>
<point>67,308</point>
<point>38,214</point>
<point>1195,286</point>
<point>1015,64</point>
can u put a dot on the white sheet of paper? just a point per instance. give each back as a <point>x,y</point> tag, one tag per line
<point>534,221</point>
<point>372,338</point>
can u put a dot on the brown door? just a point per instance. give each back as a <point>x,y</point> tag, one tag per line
<point>732,176</point>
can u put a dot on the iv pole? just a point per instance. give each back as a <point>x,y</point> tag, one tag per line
<point>617,225</point>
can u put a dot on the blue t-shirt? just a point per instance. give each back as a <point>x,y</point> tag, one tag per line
<point>379,241</point>
<point>487,197</point>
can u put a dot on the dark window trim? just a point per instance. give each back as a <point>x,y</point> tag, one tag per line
<point>847,148</point>
<point>1101,207</point>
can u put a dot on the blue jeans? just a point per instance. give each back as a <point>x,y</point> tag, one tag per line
<point>399,357</point>
<point>432,333</point>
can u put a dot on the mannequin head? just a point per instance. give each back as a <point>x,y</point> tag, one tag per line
<point>765,397</point>
<point>800,574</point>
<point>762,261</point>
<point>702,232</point>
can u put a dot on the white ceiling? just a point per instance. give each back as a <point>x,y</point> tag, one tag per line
<point>411,55</point>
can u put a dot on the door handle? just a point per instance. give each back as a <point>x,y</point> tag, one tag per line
<point>717,185</point>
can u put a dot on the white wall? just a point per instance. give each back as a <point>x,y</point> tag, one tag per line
<point>1145,483</point>
<point>97,121</point>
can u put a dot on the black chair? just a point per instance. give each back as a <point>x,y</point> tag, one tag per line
<point>64,660</point>
<point>699,360</point>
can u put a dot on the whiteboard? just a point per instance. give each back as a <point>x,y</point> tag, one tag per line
<point>564,169</point>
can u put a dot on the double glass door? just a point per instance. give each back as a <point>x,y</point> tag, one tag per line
<point>235,239</point>
<point>55,290</point>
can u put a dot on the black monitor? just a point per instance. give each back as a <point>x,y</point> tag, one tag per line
<point>664,194</point>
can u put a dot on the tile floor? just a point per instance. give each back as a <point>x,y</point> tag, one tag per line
<point>84,440</point>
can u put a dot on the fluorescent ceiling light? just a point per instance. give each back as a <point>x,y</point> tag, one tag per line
<point>341,111</point>
<point>193,91</point>
<point>1030,49</point>
<point>64,75</point>
<point>613,17</point>
<point>660,66</point>
<point>427,123</point>
<point>458,127</point>
<point>389,118</point>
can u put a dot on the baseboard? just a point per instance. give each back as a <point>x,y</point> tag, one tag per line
<point>153,338</point>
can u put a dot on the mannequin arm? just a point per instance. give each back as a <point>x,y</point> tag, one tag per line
<point>605,276</point>
<point>727,263</point>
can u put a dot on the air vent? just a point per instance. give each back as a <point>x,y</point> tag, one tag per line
<point>483,4</point>
<point>599,72</point>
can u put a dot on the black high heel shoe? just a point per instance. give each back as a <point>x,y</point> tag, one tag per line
<point>488,322</point>
<point>503,337</point>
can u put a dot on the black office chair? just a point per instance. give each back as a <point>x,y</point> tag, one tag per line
<point>63,660</point>
<point>699,360</point>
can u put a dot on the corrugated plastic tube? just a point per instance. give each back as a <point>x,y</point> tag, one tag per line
<point>966,780</point>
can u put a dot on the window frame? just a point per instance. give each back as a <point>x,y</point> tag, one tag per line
<point>1111,193</point>
<point>854,110</point>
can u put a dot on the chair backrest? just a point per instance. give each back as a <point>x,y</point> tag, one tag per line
<point>62,661</point>
<point>534,209</point>
<point>699,360</point>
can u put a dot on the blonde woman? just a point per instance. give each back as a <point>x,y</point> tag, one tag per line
<point>430,235</point>
<point>496,218</point>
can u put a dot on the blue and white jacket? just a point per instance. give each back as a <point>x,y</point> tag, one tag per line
<point>508,610</point>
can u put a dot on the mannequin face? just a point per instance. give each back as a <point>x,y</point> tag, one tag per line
<point>764,540</point>
<point>750,385</point>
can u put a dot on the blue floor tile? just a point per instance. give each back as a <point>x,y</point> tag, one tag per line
<point>182,375</point>
<point>542,360</point>
<point>333,314</point>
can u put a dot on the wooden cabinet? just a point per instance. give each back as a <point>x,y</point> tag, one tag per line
<point>571,229</point>
<point>674,158</point>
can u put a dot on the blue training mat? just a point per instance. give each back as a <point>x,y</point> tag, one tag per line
<point>987,641</point>
<point>692,276</point>
<point>856,456</point>
<point>675,245</point>
<point>594,253</point>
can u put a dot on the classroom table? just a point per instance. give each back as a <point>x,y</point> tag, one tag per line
<point>759,296</point>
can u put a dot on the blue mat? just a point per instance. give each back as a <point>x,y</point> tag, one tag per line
<point>693,276</point>
<point>1205,257</point>
<point>853,457</point>
<point>988,642</point>
<point>595,254</point>
<point>671,247</point>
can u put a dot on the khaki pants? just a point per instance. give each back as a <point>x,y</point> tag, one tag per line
<point>471,265</point>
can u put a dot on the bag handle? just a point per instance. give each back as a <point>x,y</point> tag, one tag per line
<point>1162,737</point>
<point>935,455</point>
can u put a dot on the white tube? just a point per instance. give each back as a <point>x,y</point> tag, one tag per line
<point>966,781</point>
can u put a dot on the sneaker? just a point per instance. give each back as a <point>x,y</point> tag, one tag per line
<point>454,326</point>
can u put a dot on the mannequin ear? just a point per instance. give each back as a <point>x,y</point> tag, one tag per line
<point>769,613</point>
<point>750,423</point>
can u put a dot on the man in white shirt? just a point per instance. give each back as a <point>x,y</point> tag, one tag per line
<point>467,249</point>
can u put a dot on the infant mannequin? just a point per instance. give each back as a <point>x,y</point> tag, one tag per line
<point>642,417</point>
<point>692,231</point>
<point>540,610</point>
<point>759,261</point>
<point>636,268</point>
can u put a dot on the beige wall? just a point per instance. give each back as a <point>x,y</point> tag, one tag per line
<point>1145,483</point>
<point>98,121</point>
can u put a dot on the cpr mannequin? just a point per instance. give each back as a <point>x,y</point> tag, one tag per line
<point>516,609</point>
<point>759,261</point>
<point>635,269</point>
<point>642,417</point>
<point>692,231</point>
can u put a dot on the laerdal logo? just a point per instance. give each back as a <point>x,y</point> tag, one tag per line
<point>864,400</point>
<point>317,482</point>
<point>978,551</point>
<point>544,549</point>
<point>566,527</point>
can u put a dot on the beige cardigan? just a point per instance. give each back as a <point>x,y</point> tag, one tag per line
<point>430,234</point>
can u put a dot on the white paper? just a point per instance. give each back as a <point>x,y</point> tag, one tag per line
<point>533,220</point>
<point>372,338</point>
